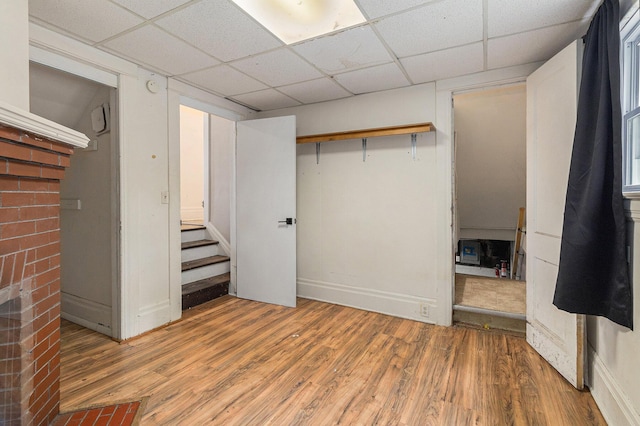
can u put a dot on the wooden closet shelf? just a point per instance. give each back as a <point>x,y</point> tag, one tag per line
<point>367,133</point>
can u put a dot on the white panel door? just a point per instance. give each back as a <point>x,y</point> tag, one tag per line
<point>265,199</point>
<point>552,93</point>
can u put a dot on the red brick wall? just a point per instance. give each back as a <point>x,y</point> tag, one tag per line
<point>30,173</point>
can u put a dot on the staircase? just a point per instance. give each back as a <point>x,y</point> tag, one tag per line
<point>205,268</point>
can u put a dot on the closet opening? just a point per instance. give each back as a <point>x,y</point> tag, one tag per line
<point>490,196</point>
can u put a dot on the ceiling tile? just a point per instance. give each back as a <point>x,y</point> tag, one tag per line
<point>160,50</point>
<point>351,49</point>
<point>266,100</point>
<point>277,68</point>
<point>150,9</point>
<point>224,80</point>
<point>432,27</point>
<point>380,77</point>
<point>220,29</point>
<point>378,8</point>
<point>515,16</point>
<point>445,63</point>
<point>532,46</point>
<point>94,20</point>
<point>320,90</point>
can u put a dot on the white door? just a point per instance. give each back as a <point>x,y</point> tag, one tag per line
<point>265,199</point>
<point>552,93</point>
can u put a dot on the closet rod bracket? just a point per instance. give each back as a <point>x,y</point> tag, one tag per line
<point>414,146</point>
<point>364,149</point>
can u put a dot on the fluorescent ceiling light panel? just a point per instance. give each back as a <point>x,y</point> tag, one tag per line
<point>296,20</point>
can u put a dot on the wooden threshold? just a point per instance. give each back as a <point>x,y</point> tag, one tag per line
<point>367,133</point>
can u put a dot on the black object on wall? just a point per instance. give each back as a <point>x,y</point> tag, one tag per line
<point>593,276</point>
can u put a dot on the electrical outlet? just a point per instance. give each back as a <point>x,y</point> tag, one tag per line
<point>424,310</point>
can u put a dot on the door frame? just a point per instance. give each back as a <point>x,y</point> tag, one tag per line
<point>110,80</point>
<point>445,90</point>
<point>454,198</point>
<point>182,94</point>
<point>206,172</point>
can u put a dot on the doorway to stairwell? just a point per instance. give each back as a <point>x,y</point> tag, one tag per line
<point>206,145</point>
<point>193,129</point>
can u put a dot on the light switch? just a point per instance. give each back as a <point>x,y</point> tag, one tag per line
<point>165,197</point>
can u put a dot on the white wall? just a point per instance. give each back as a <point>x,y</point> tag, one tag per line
<point>490,128</point>
<point>367,231</point>
<point>144,147</point>
<point>192,130</point>
<point>222,135</point>
<point>613,350</point>
<point>14,45</point>
<point>87,270</point>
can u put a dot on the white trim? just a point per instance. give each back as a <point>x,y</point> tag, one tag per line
<point>199,99</point>
<point>499,77</point>
<point>611,400</point>
<point>24,120</point>
<point>629,82</point>
<point>87,313</point>
<point>67,47</point>
<point>175,235</point>
<point>54,60</point>
<point>398,305</point>
<point>445,262</point>
<point>153,316</point>
<point>128,294</point>
<point>206,168</point>
<point>632,208</point>
<point>216,235</point>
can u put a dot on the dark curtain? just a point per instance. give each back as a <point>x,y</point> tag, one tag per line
<point>593,276</point>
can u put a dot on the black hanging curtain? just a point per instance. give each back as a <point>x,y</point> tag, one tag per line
<point>593,276</point>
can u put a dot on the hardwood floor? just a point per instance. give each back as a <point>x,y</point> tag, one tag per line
<point>499,294</point>
<point>236,362</point>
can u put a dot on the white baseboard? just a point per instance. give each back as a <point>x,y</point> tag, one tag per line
<point>92,315</point>
<point>612,401</point>
<point>398,305</point>
<point>153,316</point>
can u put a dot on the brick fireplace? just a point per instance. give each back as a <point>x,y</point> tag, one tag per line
<point>31,167</point>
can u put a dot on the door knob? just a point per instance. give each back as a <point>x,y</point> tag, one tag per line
<point>288,221</point>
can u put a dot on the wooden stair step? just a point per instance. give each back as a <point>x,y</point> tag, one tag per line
<point>184,228</point>
<point>206,283</point>
<point>196,293</point>
<point>199,243</point>
<point>205,261</point>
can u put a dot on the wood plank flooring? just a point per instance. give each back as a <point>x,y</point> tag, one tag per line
<point>237,362</point>
<point>499,294</point>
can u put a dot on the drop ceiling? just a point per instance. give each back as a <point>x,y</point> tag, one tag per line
<point>214,45</point>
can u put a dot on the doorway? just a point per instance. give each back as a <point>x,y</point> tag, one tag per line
<point>193,134</point>
<point>89,205</point>
<point>490,191</point>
